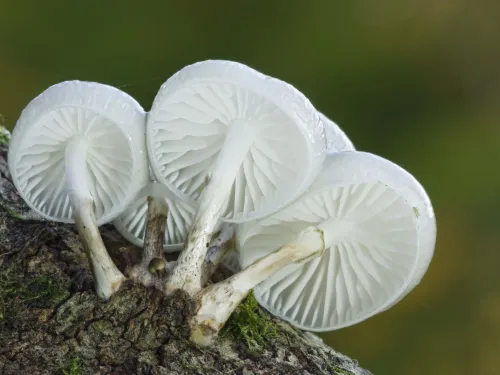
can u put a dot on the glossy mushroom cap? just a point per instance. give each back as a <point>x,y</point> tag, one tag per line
<point>193,114</point>
<point>108,121</point>
<point>379,231</point>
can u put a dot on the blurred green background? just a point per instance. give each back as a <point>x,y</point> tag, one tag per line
<point>417,82</point>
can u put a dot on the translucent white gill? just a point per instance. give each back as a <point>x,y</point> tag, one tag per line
<point>190,120</point>
<point>190,132</point>
<point>40,166</point>
<point>355,167</point>
<point>108,120</point>
<point>368,260</point>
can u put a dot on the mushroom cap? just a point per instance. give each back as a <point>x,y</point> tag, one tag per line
<point>132,222</point>
<point>192,114</point>
<point>112,123</point>
<point>380,242</point>
<point>336,139</point>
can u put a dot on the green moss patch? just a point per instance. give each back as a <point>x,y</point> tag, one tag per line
<point>340,371</point>
<point>18,293</point>
<point>71,367</point>
<point>250,325</point>
<point>335,370</point>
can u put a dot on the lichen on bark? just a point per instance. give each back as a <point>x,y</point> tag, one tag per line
<point>51,321</point>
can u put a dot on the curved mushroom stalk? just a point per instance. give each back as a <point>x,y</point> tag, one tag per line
<point>108,277</point>
<point>241,143</point>
<point>152,267</point>
<point>77,155</point>
<point>212,205</point>
<point>179,212</point>
<point>158,222</point>
<point>218,301</point>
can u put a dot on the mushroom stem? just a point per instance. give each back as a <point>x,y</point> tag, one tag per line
<point>188,274</point>
<point>219,248</point>
<point>153,261</point>
<point>108,277</point>
<point>218,301</point>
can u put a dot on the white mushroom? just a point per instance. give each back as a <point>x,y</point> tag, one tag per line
<point>368,239</point>
<point>241,143</point>
<point>78,155</point>
<point>379,231</point>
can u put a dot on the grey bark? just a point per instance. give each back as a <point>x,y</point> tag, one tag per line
<point>51,321</point>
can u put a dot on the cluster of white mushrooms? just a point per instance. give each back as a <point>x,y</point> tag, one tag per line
<point>228,161</point>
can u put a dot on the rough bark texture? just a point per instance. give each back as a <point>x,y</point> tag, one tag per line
<point>51,321</point>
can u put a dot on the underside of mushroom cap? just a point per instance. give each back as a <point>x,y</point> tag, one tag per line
<point>132,223</point>
<point>381,242</point>
<point>399,180</point>
<point>336,139</point>
<point>192,114</point>
<point>108,120</point>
